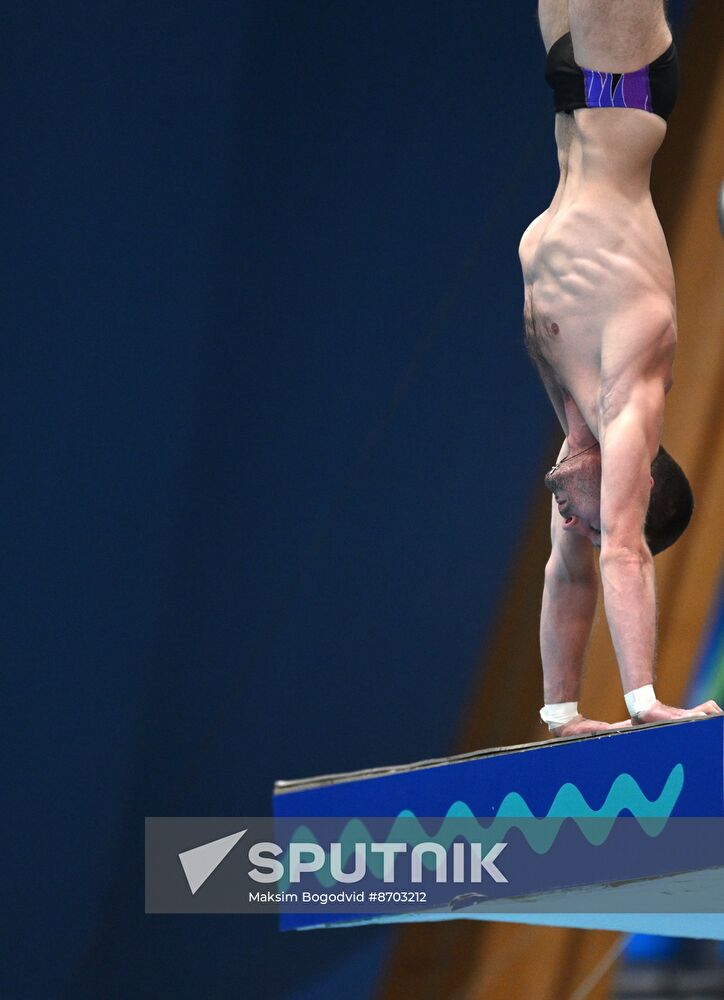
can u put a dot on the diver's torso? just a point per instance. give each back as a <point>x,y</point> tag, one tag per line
<point>595,263</point>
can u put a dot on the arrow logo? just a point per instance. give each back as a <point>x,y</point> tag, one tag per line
<point>200,862</point>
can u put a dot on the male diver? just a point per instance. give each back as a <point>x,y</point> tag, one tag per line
<point>600,325</point>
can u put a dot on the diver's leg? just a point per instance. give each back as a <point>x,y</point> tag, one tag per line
<point>619,36</point>
<point>553,20</point>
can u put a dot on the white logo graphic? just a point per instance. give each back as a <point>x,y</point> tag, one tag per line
<point>200,862</point>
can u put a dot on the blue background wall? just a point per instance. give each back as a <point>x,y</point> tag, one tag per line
<point>270,436</point>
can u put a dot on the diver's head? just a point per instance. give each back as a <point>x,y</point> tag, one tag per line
<point>576,484</point>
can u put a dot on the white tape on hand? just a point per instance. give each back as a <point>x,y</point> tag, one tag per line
<point>640,699</point>
<point>559,714</point>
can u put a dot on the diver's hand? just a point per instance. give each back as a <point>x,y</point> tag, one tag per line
<point>589,727</point>
<point>658,712</point>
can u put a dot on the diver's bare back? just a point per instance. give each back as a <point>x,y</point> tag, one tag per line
<point>599,306</point>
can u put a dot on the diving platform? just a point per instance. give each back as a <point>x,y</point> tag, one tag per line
<point>623,831</point>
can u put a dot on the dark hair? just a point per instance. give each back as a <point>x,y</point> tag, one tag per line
<point>671,503</point>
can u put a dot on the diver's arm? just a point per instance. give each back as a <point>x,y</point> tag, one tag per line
<point>569,602</point>
<point>629,441</point>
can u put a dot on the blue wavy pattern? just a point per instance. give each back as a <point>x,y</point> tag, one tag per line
<point>540,832</point>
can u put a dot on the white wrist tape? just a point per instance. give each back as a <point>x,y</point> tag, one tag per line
<point>559,714</point>
<point>640,699</point>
